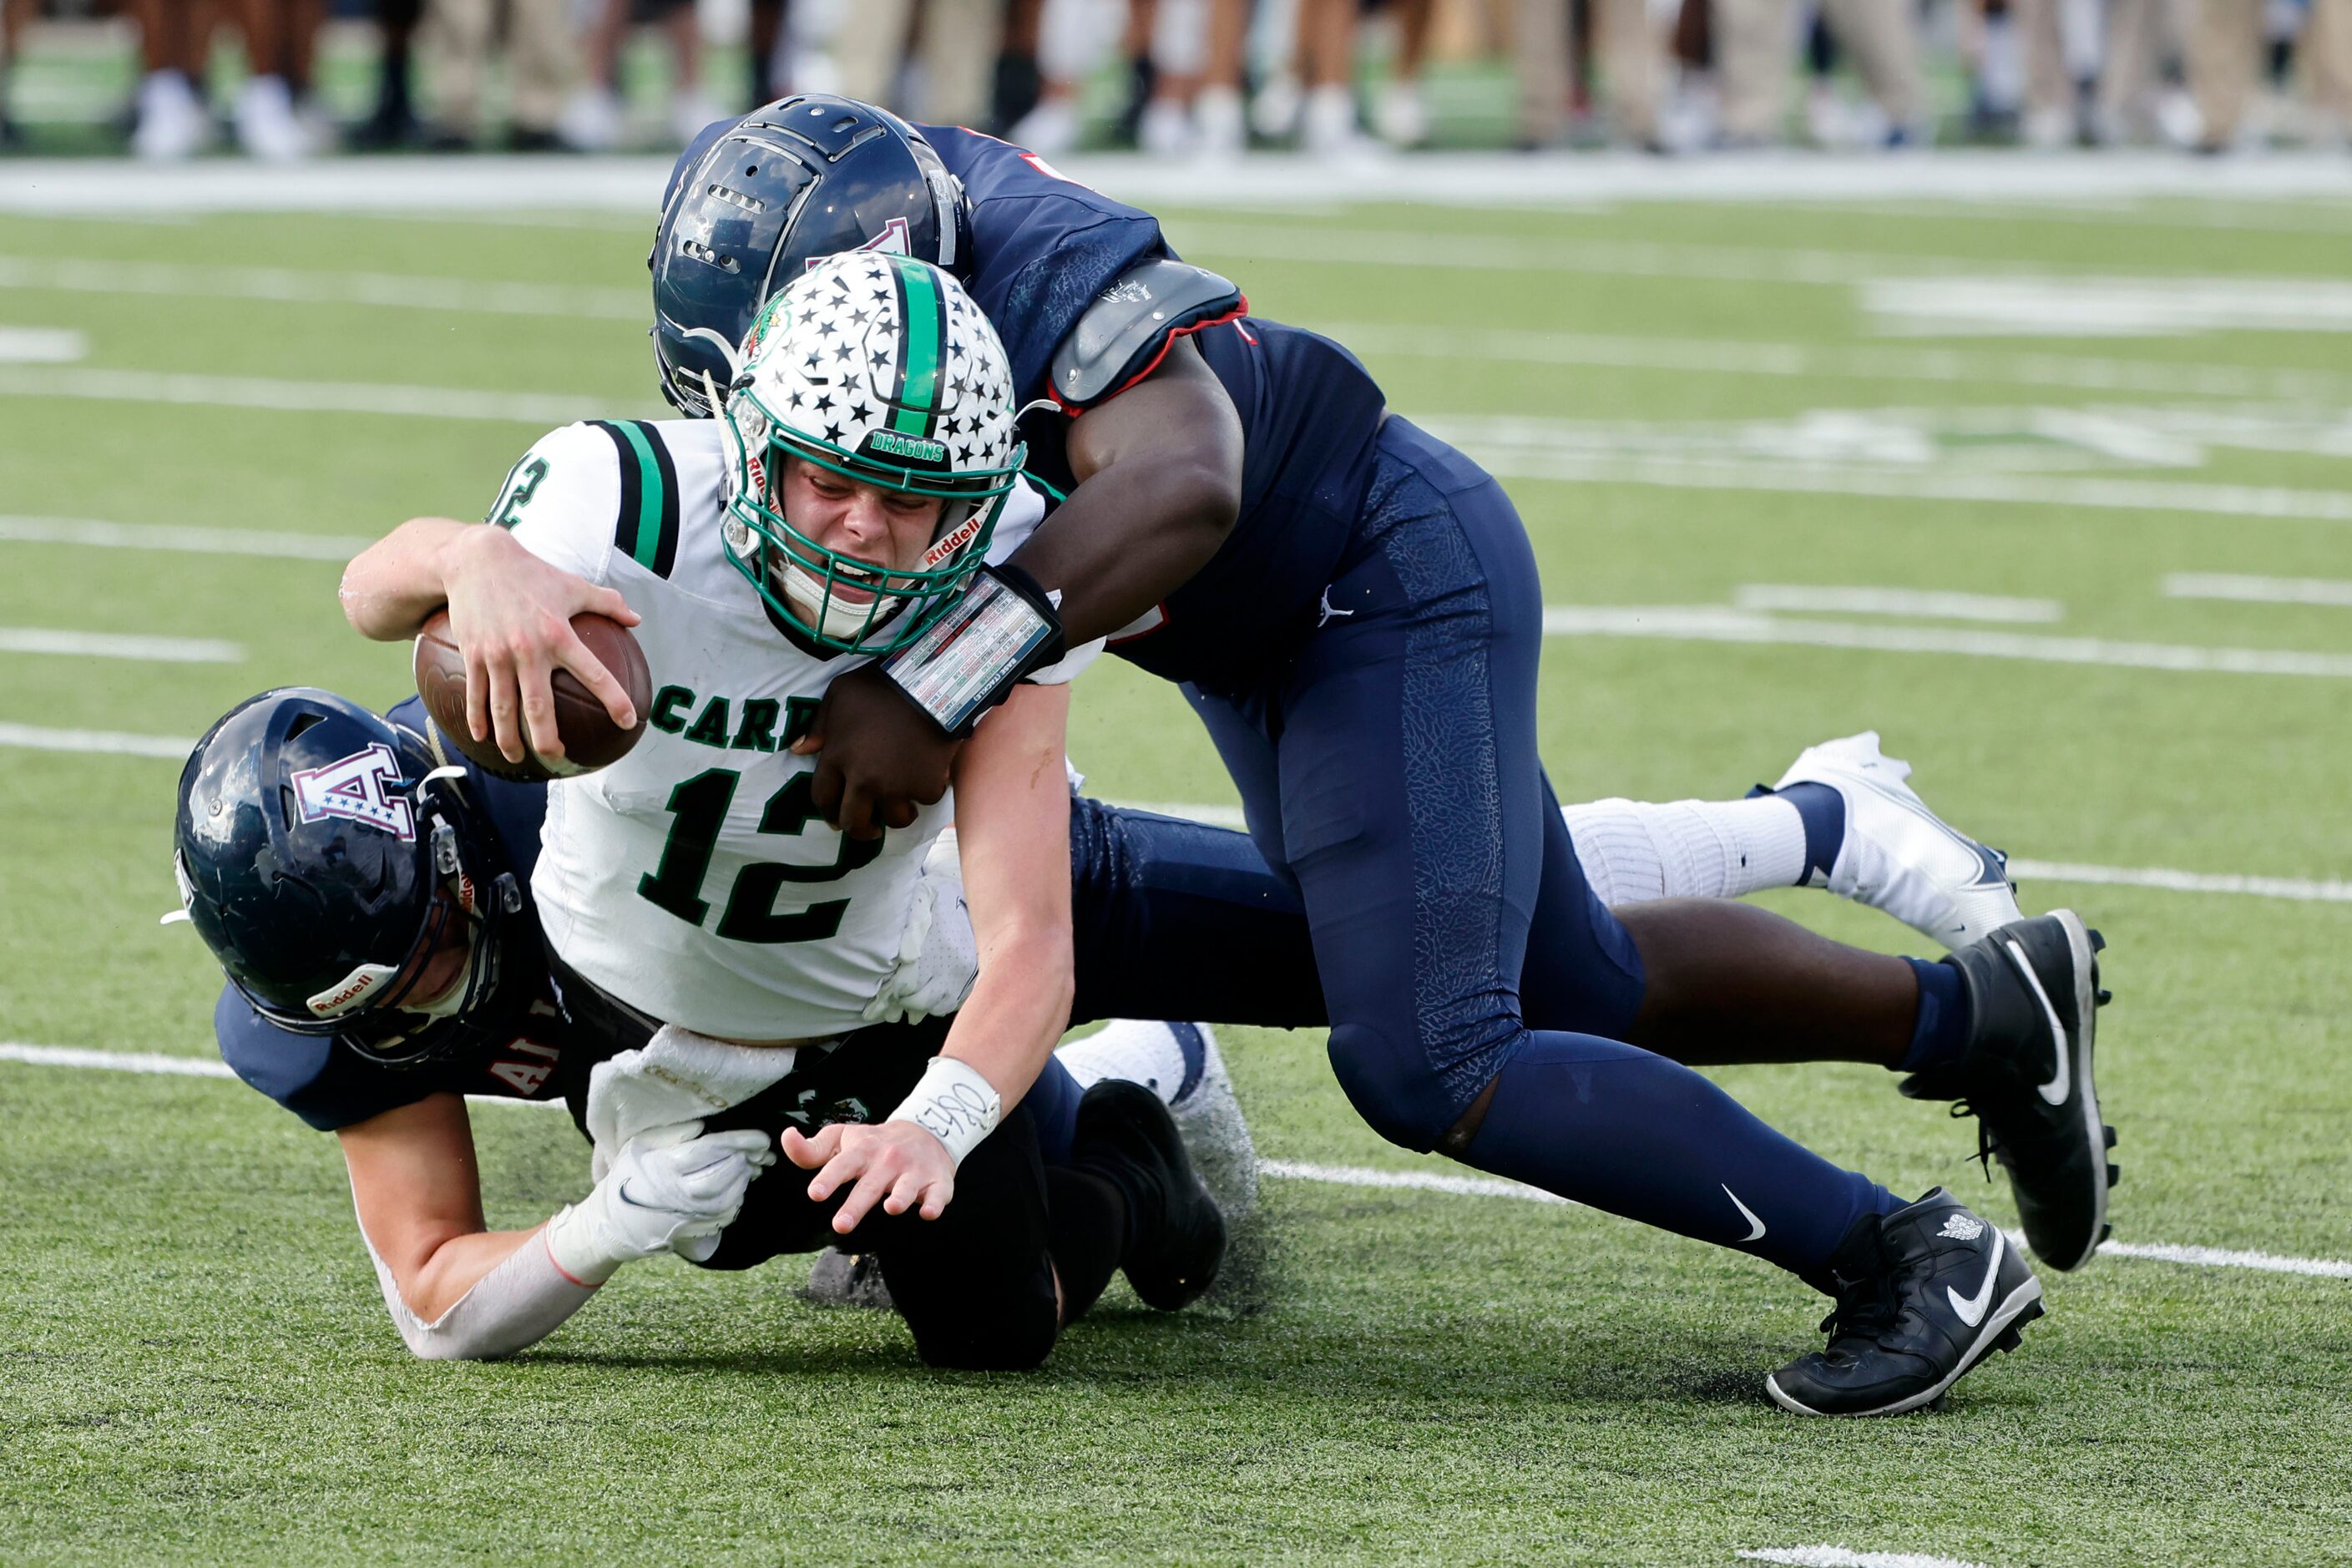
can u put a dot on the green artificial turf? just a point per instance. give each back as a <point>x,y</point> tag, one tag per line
<point>194,1364</point>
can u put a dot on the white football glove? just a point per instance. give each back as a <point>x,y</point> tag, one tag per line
<point>668,1085</point>
<point>659,1197</point>
<point>937,960</point>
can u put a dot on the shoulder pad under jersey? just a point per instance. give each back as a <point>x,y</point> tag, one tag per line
<point>1127,328</point>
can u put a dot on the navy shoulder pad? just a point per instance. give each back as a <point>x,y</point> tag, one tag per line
<point>1125,332</point>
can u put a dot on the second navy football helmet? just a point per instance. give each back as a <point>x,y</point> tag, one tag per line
<point>752,203</point>
<point>323,858</point>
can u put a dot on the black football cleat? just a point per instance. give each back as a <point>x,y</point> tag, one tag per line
<point>2034,997</point>
<point>1176,1234</point>
<point>843,1278</point>
<point>1923,1294</point>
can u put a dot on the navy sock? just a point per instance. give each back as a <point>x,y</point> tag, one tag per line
<point>1613,1126</point>
<point>1941,1031</point>
<point>1823,811</point>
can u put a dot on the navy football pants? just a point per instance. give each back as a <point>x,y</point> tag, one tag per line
<point>1390,769</point>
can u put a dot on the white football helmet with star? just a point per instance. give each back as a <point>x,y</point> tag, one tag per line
<point>879,367</point>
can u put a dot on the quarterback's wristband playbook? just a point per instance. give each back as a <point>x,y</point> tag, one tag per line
<point>968,660</point>
<point>954,1104</point>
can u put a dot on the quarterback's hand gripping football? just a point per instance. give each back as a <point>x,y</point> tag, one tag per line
<point>510,612</point>
<point>898,1165</point>
<point>879,756</point>
<point>659,1198</point>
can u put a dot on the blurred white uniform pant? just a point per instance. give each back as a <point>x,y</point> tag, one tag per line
<point>1632,59</point>
<point>957,56</point>
<point>2225,52</point>
<point>1755,47</point>
<point>542,54</point>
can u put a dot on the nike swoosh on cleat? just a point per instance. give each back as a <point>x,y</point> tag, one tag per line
<point>1971,1309</point>
<point>1747,1213</point>
<point>2062,1084</point>
<point>1993,871</point>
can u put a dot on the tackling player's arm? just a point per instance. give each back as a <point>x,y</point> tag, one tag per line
<point>1159,485</point>
<point>1159,472</point>
<point>1013,830</point>
<point>458,1291</point>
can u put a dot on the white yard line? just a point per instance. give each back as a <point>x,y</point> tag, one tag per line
<point>1362,1177</point>
<point>1944,365</point>
<point>2332,591</point>
<point>145,536</point>
<point>281,285</point>
<point>113,1061</point>
<point>543,409</point>
<point>104,645</point>
<point>1840,1557</point>
<point>102,742</point>
<point>1516,461</point>
<point>2294,889</point>
<point>2083,307</point>
<point>1931,606</point>
<point>41,345</point>
<point>1328,245</point>
<point>1714,623</point>
<point>632,185</point>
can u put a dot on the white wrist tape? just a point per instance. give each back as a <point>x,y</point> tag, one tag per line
<point>573,1247</point>
<point>953,1103</point>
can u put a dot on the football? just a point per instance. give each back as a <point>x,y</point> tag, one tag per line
<point>591,739</point>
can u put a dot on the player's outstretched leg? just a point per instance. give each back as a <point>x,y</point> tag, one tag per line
<point>2034,997</point>
<point>1923,1294</point>
<point>1842,817</point>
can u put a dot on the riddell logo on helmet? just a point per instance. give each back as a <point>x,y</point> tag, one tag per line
<point>356,986</point>
<point>914,446</point>
<point>957,538</point>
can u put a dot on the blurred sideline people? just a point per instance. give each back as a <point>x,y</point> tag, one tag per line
<point>542,47</point>
<point>595,120</point>
<point>1753,44</point>
<point>1551,92</point>
<point>13,15</point>
<point>935,60</point>
<point>1206,77</point>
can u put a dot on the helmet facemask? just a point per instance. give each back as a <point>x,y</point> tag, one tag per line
<point>911,398</point>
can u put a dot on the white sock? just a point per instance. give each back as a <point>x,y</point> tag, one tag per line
<point>1633,850</point>
<point>1131,1050</point>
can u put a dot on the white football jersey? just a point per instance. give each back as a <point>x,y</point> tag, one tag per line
<point>693,878</point>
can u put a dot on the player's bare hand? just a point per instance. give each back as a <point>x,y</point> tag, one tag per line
<point>510,612</point>
<point>898,1165</point>
<point>879,758</point>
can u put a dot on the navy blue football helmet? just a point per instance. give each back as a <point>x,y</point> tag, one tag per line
<point>323,858</point>
<point>753,202</point>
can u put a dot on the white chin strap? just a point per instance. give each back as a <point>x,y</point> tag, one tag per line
<point>806,591</point>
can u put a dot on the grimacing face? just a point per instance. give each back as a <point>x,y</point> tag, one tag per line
<point>885,528</point>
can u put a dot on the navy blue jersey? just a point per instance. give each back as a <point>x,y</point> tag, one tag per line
<point>1043,249</point>
<point>329,1085</point>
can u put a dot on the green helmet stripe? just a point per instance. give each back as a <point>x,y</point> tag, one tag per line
<point>922,315</point>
